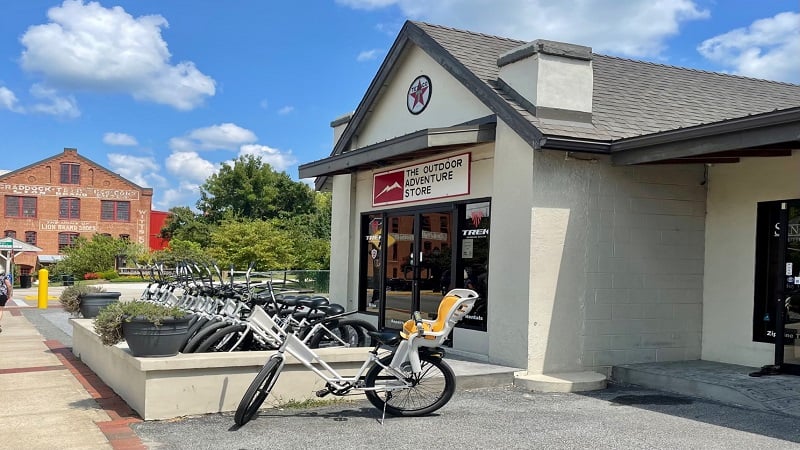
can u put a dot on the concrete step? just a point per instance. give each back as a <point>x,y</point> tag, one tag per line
<point>474,375</point>
<point>724,383</point>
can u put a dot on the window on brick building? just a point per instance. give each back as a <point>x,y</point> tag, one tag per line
<point>125,237</point>
<point>70,173</point>
<point>17,206</point>
<point>69,208</point>
<point>115,211</point>
<point>30,237</point>
<point>10,233</point>
<point>66,240</point>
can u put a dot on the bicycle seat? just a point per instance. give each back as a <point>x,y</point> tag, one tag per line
<point>390,338</point>
<point>453,307</point>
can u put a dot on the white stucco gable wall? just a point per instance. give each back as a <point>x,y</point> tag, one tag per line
<point>450,102</point>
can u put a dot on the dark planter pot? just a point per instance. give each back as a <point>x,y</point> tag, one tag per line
<point>144,338</point>
<point>92,302</point>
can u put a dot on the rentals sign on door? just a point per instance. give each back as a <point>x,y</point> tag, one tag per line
<point>440,178</point>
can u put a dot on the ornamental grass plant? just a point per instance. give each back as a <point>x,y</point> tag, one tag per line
<point>70,298</point>
<point>108,324</point>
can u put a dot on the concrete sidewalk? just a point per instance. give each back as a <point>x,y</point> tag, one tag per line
<point>51,400</point>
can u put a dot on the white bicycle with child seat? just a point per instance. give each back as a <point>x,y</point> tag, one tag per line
<point>412,379</point>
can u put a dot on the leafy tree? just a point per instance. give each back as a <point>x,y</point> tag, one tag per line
<point>180,251</point>
<point>184,225</point>
<point>241,242</point>
<point>251,189</point>
<point>97,254</point>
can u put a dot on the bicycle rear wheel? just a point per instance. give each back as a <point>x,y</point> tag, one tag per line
<point>258,391</point>
<point>430,389</point>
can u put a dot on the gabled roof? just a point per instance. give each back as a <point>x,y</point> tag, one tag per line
<point>632,100</point>
<point>79,157</point>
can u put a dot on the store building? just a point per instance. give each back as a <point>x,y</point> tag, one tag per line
<point>609,211</point>
<point>53,201</point>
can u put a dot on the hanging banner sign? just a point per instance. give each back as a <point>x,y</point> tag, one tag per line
<point>441,178</point>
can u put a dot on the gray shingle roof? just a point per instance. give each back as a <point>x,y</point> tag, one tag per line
<point>630,98</point>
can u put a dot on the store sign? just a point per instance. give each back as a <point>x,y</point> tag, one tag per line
<point>68,191</point>
<point>441,178</point>
<point>71,226</point>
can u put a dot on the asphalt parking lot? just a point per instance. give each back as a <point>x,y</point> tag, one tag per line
<point>618,417</point>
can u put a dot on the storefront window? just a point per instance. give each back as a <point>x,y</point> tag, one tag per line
<point>767,265</point>
<point>474,260</point>
<point>373,229</point>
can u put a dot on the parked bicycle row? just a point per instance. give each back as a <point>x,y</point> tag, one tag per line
<point>232,316</point>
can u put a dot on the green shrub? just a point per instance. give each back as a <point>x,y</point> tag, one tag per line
<point>109,274</point>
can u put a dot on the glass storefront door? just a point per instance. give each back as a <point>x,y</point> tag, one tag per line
<point>411,258</point>
<point>418,248</point>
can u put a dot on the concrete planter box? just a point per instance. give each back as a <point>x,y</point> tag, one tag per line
<point>190,384</point>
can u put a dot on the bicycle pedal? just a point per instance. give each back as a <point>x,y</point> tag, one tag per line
<point>322,393</point>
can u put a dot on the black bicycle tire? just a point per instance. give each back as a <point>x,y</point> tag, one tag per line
<point>193,328</point>
<point>202,334</point>
<point>258,391</point>
<point>374,397</point>
<point>362,327</point>
<point>359,326</point>
<point>321,334</point>
<point>218,336</point>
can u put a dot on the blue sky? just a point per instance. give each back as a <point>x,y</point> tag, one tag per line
<point>164,92</point>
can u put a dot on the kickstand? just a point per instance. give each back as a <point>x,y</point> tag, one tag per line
<point>767,370</point>
<point>388,396</point>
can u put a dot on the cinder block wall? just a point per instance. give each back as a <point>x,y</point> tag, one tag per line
<point>630,280</point>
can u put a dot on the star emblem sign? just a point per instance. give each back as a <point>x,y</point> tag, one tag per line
<point>419,94</point>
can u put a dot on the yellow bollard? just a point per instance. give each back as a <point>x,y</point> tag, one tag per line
<point>43,288</point>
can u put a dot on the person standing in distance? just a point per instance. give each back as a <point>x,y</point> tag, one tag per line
<point>6,291</point>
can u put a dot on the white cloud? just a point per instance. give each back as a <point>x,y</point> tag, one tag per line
<point>8,100</point>
<point>631,28</point>
<point>119,139</point>
<point>226,136</point>
<point>186,194</point>
<point>54,104</point>
<point>88,47</point>
<point>190,166</point>
<point>368,55</point>
<point>769,48</point>
<point>286,110</point>
<point>142,170</point>
<point>279,161</point>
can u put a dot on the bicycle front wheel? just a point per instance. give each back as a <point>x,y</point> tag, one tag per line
<point>430,389</point>
<point>258,391</point>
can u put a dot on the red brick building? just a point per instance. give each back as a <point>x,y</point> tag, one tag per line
<point>53,201</point>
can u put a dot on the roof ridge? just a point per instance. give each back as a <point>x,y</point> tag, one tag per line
<point>690,69</point>
<point>474,33</point>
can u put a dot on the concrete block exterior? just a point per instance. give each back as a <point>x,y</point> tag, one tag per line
<point>617,236</point>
